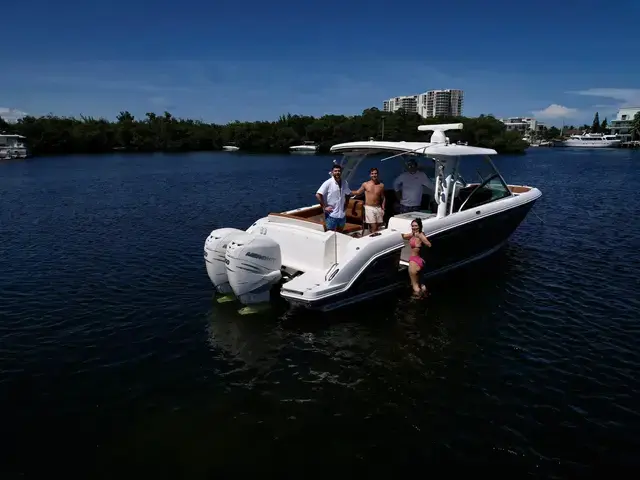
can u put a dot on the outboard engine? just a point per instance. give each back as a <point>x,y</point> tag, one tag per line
<point>215,248</point>
<point>253,267</point>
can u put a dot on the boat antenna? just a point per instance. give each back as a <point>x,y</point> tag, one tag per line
<point>404,153</point>
<point>437,137</point>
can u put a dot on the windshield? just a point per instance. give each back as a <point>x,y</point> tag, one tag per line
<point>389,170</point>
<point>475,169</point>
<point>482,183</point>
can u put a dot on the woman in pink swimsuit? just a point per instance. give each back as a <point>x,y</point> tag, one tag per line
<point>416,263</point>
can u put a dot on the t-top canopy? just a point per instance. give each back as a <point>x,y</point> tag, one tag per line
<point>420,148</point>
<point>439,145</point>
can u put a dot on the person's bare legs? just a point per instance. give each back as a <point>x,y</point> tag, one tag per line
<point>423,287</point>
<point>414,270</point>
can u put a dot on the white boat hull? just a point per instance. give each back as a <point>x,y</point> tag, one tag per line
<point>10,153</point>
<point>291,254</point>
<point>590,143</point>
<point>304,149</point>
<point>324,270</point>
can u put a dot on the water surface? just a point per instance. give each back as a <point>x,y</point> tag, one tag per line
<point>114,357</point>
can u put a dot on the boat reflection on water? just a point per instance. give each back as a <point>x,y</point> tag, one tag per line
<point>392,330</point>
<point>248,338</point>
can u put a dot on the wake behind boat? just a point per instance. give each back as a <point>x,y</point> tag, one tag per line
<point>290,252</point>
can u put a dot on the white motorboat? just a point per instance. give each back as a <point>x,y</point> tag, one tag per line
<point>542,143</point>
<point>306,147</point>
<point>290,253</point>
<point>592,140</point>
<point>12,146</point>
<point>230,148</point>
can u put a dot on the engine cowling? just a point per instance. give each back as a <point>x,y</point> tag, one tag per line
<point>253,267</point>
<point>215,248</point>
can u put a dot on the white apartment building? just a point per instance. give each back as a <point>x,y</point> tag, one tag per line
<point>441,103</point>
<point>409,103</point>
<point>523,125</point>
<point>434,103</point>
<point>622,125</point>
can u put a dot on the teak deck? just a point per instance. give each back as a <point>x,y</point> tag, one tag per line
<point>355,216</point>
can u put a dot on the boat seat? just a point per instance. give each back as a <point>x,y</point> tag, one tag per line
<point>319,219</point>
<point>351,228</point>
<point>355,211</point>
<point>354,214</point>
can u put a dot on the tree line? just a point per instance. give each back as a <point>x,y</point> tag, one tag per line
<point>154,133</point>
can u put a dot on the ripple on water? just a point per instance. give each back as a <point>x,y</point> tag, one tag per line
<point>106,311</point>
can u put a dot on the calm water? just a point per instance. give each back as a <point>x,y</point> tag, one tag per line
<point>114,357</point>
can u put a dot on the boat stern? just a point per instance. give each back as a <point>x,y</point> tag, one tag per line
<point>365,267</point>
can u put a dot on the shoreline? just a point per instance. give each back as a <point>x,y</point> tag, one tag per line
<point>165,133</point>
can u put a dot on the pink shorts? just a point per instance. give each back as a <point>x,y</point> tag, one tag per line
<point>417,260</point>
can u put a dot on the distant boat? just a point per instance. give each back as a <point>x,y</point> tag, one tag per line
<point>542,143</point>
<point>533,141</point>
<point>591,140</point>
<point>230,148</point>
<point>306,147</point>
<point>12,146</point>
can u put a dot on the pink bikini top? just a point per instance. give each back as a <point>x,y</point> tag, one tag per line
<point>412,242</point>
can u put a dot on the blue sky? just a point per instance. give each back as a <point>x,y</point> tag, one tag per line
<point>225,60</point>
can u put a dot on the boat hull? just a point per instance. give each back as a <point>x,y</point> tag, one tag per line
<point>453,248</point>
<point>383,275</point>
<point>590,143</point>
<point>473,240</point>
<point>307,152</point>
<point>13,152</point>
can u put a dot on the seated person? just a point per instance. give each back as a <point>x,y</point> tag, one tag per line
<point>408,186</point>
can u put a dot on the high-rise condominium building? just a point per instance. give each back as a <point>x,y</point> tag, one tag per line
<point>441,103</point>
<point>434,103</point>
<point>407,103</point>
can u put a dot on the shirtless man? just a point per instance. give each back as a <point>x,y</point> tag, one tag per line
<point>374,200</point>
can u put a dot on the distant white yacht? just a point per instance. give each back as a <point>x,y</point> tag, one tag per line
<point>306,147</point>
<point>12,146</point>
<point>230,148</point>
<point>591,140</point>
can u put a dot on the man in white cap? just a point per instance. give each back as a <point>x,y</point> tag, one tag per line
<point>408,186</point>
